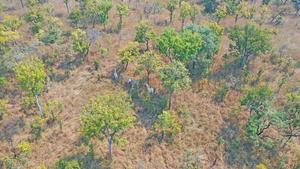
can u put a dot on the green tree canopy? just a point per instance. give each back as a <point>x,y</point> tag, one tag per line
<point>107,116</point>
<point>31,75</point>
<point>79,42</point>
<point>249,41</point>
<point>167,124</point>
<point>174,77</point>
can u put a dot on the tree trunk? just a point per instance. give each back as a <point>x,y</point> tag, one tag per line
<point>236,18</point>
<point>182,24</point>
<point>148,77</point>
<point>147,45</point>
<point>170,101</point>
<point>171,17</point>
<point>67,6</point>
<point>22,3</point>
<point>110,142</point>
<point>38,105</point>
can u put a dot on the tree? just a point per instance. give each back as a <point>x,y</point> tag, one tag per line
<point>165,42</point>
<point>67,5</point>
<point>210,34</point>
<point>8,34</point>
<point>75,17</point>
<point>167,124</point>
<point>210,6</point>
<point>149,62</point>
<point>244,11</point>
<point>122,10</point>
<point>142,33</point>
<point>35,17</point>
<point>187,45</point>
<point>296,4</point>
<point>107,116</point>
<point>174,77</point>
<point>185,11</point>
<point>129,53</point>
<point>258,102</point>
<point>195,10</point>
<point>249,41</point>
<point>171,7</point>
<point>79,42</point>
<point>104,7</point>
<point>221,12</point>
<point>290,116</point>
<point>31,75</point>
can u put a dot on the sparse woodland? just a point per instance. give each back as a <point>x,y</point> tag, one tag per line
<point>149,84</point>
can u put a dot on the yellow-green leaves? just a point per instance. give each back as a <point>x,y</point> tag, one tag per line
<point>31,75</point>
<point>107,116</point>
<point>122,10</point>
<point>79,42</point>
<point>167,124</point>
<point>129,53</point>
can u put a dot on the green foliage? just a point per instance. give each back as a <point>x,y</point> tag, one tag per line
<point>129,53</point>
<point>122,10</point>
<point>185,10</point>
<point>12,23</point>
<point>166,41</point>
<point>171,7</point>
<point>167,125</point>
<point>210,6</point>
<point>183,46</point>
<point>187,45</point>
<point>24,148</point>
<point>67,164</point>
<point>8,34</point>
<point>141,31</point>
<point>257,100</point>
<point>195,10</point>
<point>174,77</point>
<point>97,10</point>
<point>35,16</point>
<point>290,117</point>
<point>150,62</point>
<point>3,108</point>
<point>75,17</point>
<point>79,42</point>
<point>2,82</point>
<point>249,41</point>
<point>221,12</point>
<point>31,75</point>
<point>107,116</point>
<point>50,36</point>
